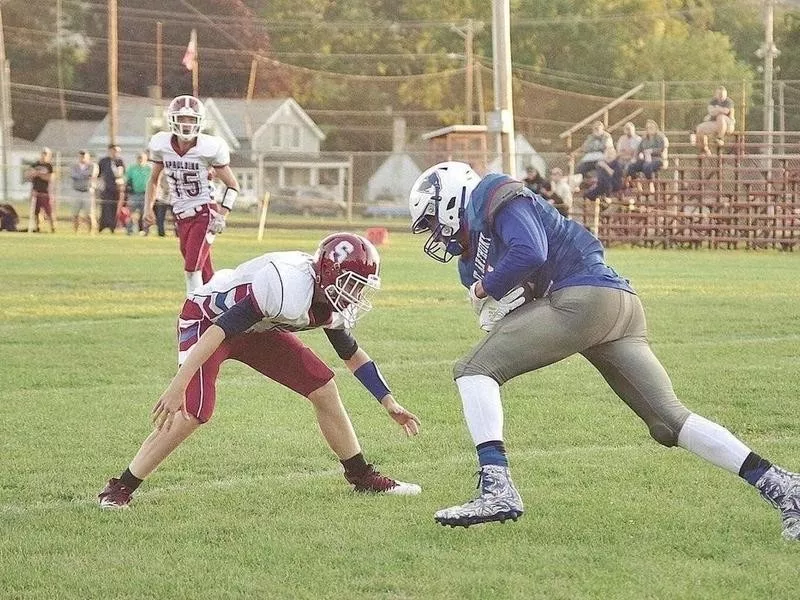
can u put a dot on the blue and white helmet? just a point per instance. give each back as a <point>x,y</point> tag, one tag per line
<point>437,202</point>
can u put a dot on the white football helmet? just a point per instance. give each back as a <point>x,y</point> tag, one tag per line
<point>437,202</point>
<point>185,116</point>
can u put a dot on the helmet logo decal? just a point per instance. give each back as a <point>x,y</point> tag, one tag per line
<point>432,185</point>
<point>342,250</point>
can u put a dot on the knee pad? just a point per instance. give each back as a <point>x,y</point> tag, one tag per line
<point>663,434</point>
<point>464,368</point>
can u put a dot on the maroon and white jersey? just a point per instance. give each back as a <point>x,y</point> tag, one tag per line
<point>187,174</point>
<point>281,287</point>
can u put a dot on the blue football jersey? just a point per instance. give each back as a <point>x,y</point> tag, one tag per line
<point>517,237</point>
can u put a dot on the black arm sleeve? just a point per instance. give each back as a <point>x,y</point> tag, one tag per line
<point>344,343</point>
<point>240,317</point>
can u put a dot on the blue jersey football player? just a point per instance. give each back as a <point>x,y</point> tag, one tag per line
<point>542,290</point>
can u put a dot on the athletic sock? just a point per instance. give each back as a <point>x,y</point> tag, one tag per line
<point>355,465</point>
<point>129,480</point>
<point>753,468</point>
<point>492,453</point>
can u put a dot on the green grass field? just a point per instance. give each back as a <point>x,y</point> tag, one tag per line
<point>253,506</point>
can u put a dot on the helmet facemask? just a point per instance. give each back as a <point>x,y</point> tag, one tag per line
<point>185,116</point>
<point>348,274</point>
<point>351,295</point>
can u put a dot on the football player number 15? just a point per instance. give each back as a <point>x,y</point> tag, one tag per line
<point>185,183</point>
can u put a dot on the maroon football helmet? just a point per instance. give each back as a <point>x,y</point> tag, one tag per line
<point>185,116</point>
<point>348,273</point>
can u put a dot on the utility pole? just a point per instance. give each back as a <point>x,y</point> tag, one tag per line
<point>59,66</point>
<point>113,109</point>
<point>769,52</point>
<point>5,110</point>
<point>468,34</point>
<point>503,118</point>
<point>159,61</point>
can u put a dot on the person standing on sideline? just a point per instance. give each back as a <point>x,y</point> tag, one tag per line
<point>542,290</point>
<point>111,172</point>
<point>162,206</point>
<point>137,176</point>
<point>250,314</point>
<point>83,174</point>
<point>185,155</point>
<point>40,175</point>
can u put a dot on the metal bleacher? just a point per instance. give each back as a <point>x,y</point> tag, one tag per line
<point>745,195</point>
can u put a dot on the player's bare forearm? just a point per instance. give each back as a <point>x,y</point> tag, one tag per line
<point>358,359</point>
<point>225,174</point>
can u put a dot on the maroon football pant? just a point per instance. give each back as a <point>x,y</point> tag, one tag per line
<point>195,245</point>
<point>279,355</point>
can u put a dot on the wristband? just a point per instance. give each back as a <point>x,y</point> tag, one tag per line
<point>229,197</point>
<point>371,378</point>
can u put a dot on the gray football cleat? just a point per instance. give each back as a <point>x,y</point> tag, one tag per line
<point>781,488</point>
<point>498,501</point>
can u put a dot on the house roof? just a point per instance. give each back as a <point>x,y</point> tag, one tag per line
<point>393,178</point>
<point>65,136</point>
<point>132,115</point>
<point>245,117</point>
<point>25,145</point>
<point>455,129</point>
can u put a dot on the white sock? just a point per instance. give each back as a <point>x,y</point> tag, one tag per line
<point>194,279</point>
<point>483,410</point>
<point>712,442</point>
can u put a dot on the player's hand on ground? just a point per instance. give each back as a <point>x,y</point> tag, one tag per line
<point>171,403</point>
<point>216,222</point>
<point>407,420</point>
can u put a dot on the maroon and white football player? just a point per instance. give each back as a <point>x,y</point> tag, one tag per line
<point>187,159</point>
<point>251,314</point>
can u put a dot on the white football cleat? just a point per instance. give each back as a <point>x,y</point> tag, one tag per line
<point>781,488</point>
<point>499,500</point>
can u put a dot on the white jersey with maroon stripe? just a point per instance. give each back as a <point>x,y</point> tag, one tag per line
<point>187,173</point>
<point>280,283</point>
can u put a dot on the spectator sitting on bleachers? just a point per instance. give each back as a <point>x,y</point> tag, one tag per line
<point>609,176</point>
<point>560,192</point>
<point>535,182</point>
<point>718,122</point>
<point>594,148</point>
<point>651,156</point>
<point>627,145</point>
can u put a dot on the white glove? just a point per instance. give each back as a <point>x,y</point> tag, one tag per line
<point>494,311</point>
<point>216,222</point>
<point>477,303</point>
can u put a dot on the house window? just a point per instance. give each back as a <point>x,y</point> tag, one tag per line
<point>294,135</point>
<point>285,136</point>
<point>329,176</point>
<point>246,181</point>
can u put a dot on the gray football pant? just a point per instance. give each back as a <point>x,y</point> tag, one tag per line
<point>605,325</point>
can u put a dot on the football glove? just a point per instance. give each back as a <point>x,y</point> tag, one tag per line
<point>494,311</point>
<point>216,222</point>
<point>477,303</point>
